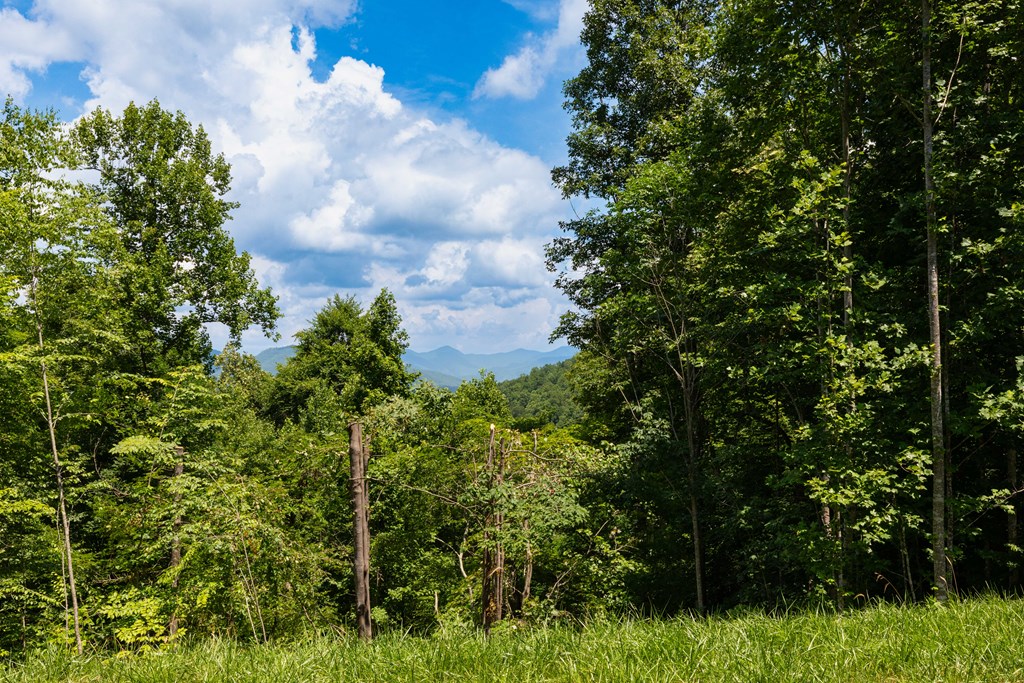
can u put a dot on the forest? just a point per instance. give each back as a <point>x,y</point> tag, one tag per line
<point>799,309</point>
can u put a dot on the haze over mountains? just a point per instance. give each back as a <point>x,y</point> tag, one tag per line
<point>449,367</point>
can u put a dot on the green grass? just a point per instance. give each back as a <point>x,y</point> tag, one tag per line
<point>971,640</point>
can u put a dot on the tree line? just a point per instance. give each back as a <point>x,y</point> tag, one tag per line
<point>800,301</point>
<point>799,318</point>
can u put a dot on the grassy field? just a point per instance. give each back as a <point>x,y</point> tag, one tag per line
<point>971,640</point>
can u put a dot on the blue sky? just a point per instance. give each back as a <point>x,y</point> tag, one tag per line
<point>381,143</point>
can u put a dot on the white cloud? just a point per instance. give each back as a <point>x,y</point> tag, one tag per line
<point>457,181</point>
<point>446,263</point>
<point>512,261</point>
<point>520,75</point>
<point>342,187</point>
<point>139,50</point>
<point>336,225</point>
<point>523,74</point>
<point>27,47</point>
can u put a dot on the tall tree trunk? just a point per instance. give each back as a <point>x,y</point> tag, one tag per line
<point>493,556</point>
<point>845,119</point>
<point>487,559</point>
<point>1011,521</point>
<point>934,323</point>
<point>698,543</point>
<point>908,575</point>
<point>687,377</point>
<point>693,443</point>
<point>499,559</point>
<point>528,571</point>
<point>51,424</point>
<point>361,529</point>
<point>179,470</point>
<point>845,116</point>
<point>493,589</point>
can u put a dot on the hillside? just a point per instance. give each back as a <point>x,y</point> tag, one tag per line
<point>544,395</point>
<point>270,358</point>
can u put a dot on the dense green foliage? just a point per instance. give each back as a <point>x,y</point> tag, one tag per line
<point>170,503</point>
<point>978,640</point>
<point>748,421</point>
<point>543,396</point>
<point>751,303</point>
<point>164,189</point>
<point>105,400</point>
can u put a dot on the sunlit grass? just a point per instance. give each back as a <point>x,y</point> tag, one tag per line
<point>971,640</point>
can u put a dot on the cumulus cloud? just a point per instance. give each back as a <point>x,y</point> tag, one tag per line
<point>512,262</point>
<point>341,185</point>
<point>523,74</point>
<point>336,225</point>
<point>446,263</point>
<point>27,47</point>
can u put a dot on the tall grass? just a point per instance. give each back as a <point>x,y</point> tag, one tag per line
<point>971,640</point>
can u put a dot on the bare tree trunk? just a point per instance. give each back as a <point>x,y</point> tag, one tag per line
<point>1011,521</point>
<point>361,529</point>
<point>499,564</point>
<point>493,555</point>
<point>179,470</point>
<point>693,442</point>
<point>844,123</point>
<point>51,424</point>
<point>934,324</point>
<point>486,568</point>
<point>528,574</point>
<point>698,545</point>
<point>528,570</point>
<point>908,576</point>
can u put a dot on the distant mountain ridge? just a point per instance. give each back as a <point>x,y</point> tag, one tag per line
<point>505,365</point>
<point>449,367</point>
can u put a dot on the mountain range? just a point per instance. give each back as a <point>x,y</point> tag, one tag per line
<point>448,367</point>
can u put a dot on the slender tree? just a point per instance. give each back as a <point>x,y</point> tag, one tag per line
<point>493,562</point>
<point>52,235</point>
<point>938,431</point>
<point>51,426</point>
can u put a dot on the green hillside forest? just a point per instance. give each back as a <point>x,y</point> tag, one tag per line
<point>543,396</point>
<point>799,311</point>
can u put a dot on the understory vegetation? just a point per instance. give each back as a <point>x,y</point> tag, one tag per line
<point>800,315</point>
